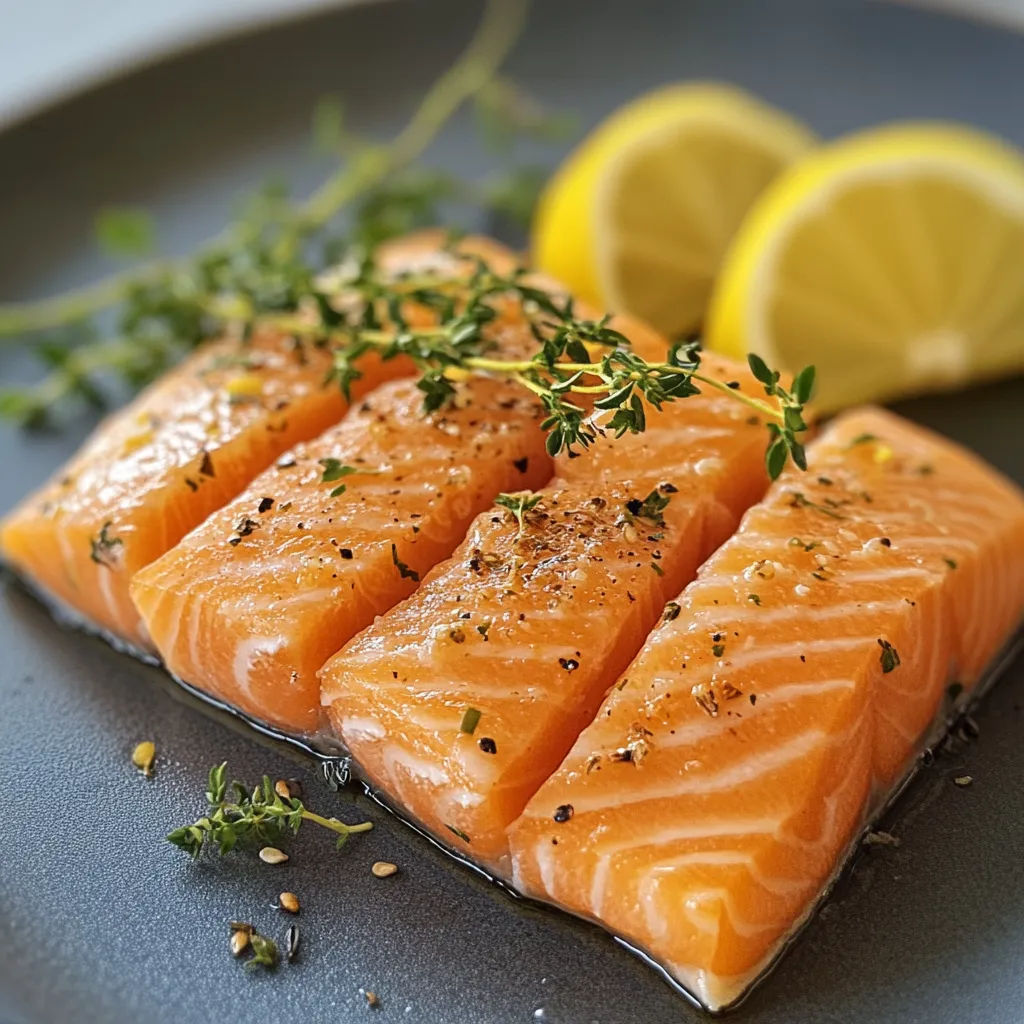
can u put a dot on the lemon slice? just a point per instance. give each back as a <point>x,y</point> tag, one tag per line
<point>892,259</point>
<point>638,218</point>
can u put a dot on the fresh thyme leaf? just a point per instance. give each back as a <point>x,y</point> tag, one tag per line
<point>403,570</point>
<point>519,504</point>
<point>125,232</point>
<point>264,952</point>
<point>470,720</point>
<point>335,469</point>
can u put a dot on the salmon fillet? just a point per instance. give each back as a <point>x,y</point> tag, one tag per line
<point>778,710</point>
<point>251,618</point>
<point>184,447</point>
<point>524,632</point>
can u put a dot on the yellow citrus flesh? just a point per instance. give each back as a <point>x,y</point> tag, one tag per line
<point>890,259</point>
<point>638,218</point>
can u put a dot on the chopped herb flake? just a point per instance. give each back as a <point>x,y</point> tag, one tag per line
<point>470,720</point>
<point>457,831</point>
<point>652,508</point>
<point>890,657</point>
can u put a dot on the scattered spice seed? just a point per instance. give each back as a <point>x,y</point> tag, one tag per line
<point>384,869</point>
<point>265,505</point>
<point>291,942</point>
<point>272,855</point>
<point>705,698</point>
<point>881,839</point>
<point>143,756</point>
<point>569,664</point>
<point>754,599</point>
<point>671,611</point>
<point>487,745</point>
<point>239,941</point>
<point>289,901</point>
<point>950,562</point>
<point>563,813</point>
<point>963,780</point>
<point>470,720</point>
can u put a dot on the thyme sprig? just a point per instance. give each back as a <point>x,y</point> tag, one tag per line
<point>277,267</point>
<point>261,817</point>
<point>575,355</point>
<point>266,259</point>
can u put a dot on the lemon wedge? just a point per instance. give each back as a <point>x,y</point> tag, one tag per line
<point>891,259</point>
<point>638,218</point>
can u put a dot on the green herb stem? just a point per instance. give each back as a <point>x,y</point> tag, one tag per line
<point>498,31</point>
<point>502,23</point>
<point>335,825</point>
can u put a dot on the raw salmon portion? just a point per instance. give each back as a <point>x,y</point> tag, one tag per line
<point>250,618</point>
<point>775,713</point>
<point>184,447</point>
<point>250,605</point>
<point>526,632</point>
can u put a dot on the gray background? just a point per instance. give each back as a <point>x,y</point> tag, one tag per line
<point>100,920</point>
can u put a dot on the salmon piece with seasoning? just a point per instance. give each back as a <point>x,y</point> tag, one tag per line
<point>773,716</point>
<point>183,448</point>
<point>461,701</point>
<point>251,604</point>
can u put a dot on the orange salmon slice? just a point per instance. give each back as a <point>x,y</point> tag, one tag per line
<point>249,605</point>
<point>463,699</point>
<point>778,710</point>
<point>183,448</point>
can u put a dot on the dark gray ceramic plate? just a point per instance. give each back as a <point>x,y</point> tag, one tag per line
<point>101,920</point>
